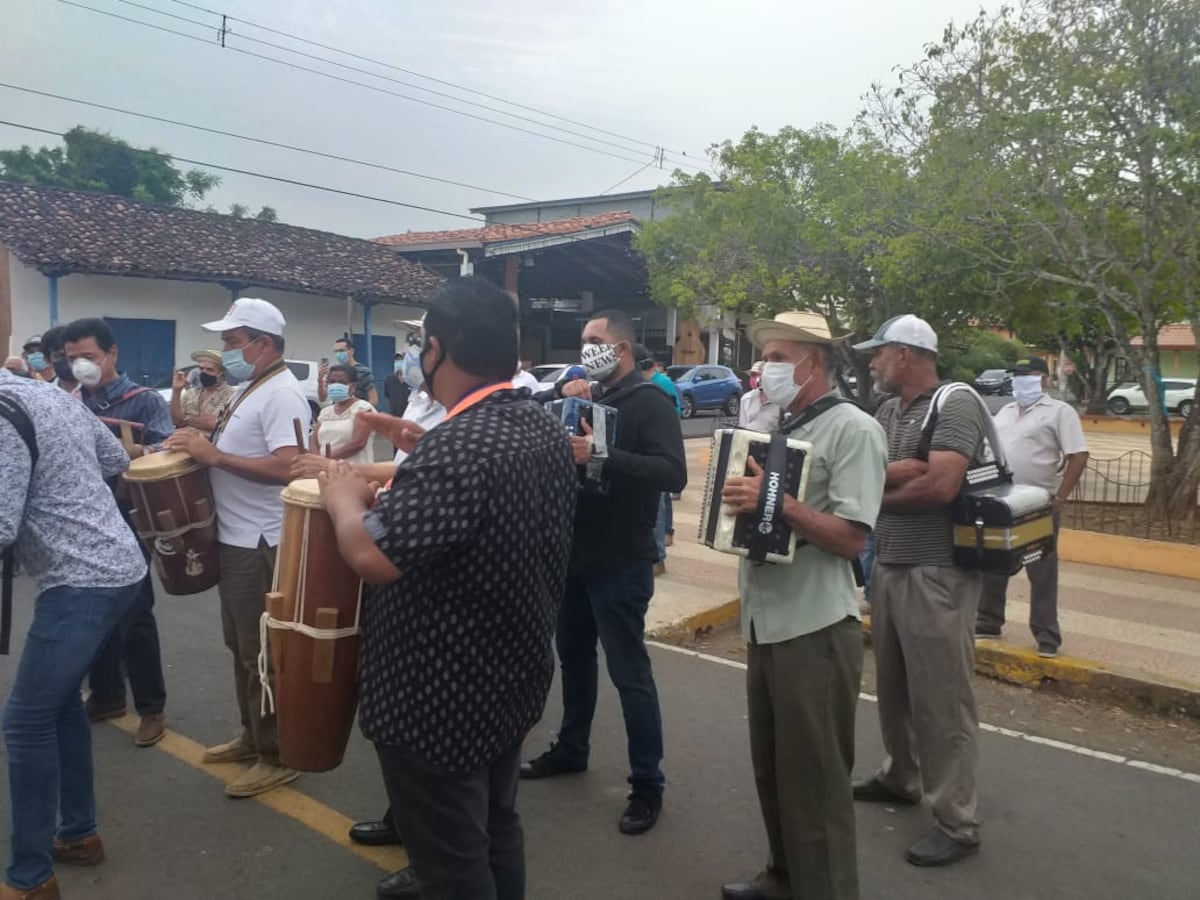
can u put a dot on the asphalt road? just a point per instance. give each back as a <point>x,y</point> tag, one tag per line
<point>1059,824</point>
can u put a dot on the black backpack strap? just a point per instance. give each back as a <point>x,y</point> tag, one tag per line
<point>19,419</point>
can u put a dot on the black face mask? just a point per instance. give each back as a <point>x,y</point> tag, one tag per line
<point>207,380</point>
<point>62,369</point>
<point>428,376</point>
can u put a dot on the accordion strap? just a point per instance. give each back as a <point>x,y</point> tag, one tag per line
<point>936,403</point>
<point>770,499</point>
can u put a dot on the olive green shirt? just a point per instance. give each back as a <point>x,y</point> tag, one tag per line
<point>846,472</point>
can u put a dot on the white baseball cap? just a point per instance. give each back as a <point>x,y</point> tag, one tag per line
<point>907,329</point>
<point>250,312</point>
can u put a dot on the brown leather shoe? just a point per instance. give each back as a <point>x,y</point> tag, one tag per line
<point>47,890</point>
<point>85,851</point>
<point>151,731</point>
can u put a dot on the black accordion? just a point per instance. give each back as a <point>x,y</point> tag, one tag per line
<point>762,536</point>
<point>573,412</point>
<point>998,526</point>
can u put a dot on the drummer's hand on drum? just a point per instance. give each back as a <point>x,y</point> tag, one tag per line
<point>401,432</point>
<point>740,495</point>
<point>195,445</point>
<point>344,489</point>
<point>309,465</point>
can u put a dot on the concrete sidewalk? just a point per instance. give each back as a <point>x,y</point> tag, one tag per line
<point>1123,632</point>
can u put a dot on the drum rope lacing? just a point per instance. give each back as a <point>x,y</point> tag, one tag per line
<point>266,622</point>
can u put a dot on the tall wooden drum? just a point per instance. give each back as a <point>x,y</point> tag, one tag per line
<point>312,626</point>
<point>172,510</point>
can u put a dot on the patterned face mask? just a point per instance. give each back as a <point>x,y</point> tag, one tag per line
<point>600,360</point>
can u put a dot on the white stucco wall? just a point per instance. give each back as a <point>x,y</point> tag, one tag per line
<point>312,322</point>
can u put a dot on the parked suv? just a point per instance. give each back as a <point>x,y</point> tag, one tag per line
<point>1128,396</point>
<point>706,387</point>
<point>994,381</point>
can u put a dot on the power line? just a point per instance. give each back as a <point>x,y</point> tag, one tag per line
<point>631,175</point>
<point>277,178</point>
<point>350,81</point>
<point>379,62</point>
<point>264,141</point>
<point>224,32</point>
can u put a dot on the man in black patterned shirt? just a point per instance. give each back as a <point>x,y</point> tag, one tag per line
<point>467,552</point>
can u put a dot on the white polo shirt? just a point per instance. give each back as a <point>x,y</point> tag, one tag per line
<point>422,410</point>
<point>757,412</point>
<point>248,510</point>
<point>1035,440</point>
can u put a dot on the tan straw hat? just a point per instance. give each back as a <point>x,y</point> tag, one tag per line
<point>208,356</point>
<point>793,325</point>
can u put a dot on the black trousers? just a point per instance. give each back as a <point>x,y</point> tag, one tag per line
<point>462,832</point>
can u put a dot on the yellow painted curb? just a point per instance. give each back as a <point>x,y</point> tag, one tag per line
<point>1131,554</point>
<point>1014,665</point>
<point>1124,425</point>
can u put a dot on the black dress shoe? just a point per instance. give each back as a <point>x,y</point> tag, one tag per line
<point>553,762</point>
<point>375,834</point>
<point>939,849</point>
<point>872,790</point>
<point>400,885</point>
<point>742,890</point>
<point>642,811</point>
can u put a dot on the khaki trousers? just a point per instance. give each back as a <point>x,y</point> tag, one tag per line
<point>245,580</point>
<point>922,631</point>
<point>801,696</point>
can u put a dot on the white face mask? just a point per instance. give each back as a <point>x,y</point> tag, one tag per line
<point>779,383</point>
<point>86,372</point>
<point>1027,389</point>
<point>600,360</point>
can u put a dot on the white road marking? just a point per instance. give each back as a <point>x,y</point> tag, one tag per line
<point>984,726</point>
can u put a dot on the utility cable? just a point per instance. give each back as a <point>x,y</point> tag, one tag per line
<point>257,140</point>
<point>422,75</point>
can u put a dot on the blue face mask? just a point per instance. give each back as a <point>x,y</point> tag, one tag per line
<point>37,360</point>
<point>339,392</point>
<point>342,356</point>
<point>412,368</point>
<point>398,365</point>
<point>236,365</point>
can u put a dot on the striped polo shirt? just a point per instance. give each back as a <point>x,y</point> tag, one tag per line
<point>925,537</point>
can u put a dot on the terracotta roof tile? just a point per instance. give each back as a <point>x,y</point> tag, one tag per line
<point>63,231</point>
<point>1172,337</point>
<point>496,234</point>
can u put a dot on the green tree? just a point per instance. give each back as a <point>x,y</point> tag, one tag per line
<point>1073,127</point>
<point>96,161</point>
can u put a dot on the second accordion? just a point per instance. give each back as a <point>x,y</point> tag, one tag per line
<point>761,536</point>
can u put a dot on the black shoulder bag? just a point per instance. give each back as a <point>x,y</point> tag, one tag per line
<point>19,419</point>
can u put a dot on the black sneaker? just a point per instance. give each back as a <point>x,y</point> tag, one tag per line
<point>642,811</point>
<point>986,633</point>
<point>1047,651</point>
<point>553,762</point>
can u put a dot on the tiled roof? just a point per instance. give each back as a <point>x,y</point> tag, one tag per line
<point>1172,337</point>
<point>497,234</point>
<point>61,231</point>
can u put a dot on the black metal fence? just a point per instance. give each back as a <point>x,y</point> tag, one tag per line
<point>1111,499</point>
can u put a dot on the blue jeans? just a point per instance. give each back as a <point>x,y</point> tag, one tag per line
<point>867,561</point>
<point>610,608</point>
<point>46,731</point>
<point>663,525</point>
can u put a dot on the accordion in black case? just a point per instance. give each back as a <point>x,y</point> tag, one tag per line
<point>998,526</point>
<point>573,412</point>
<point>762,536</point>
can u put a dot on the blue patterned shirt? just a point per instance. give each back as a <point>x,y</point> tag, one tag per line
<point>62,516</point>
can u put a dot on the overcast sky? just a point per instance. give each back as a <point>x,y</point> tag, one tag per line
<point>674,74</point>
